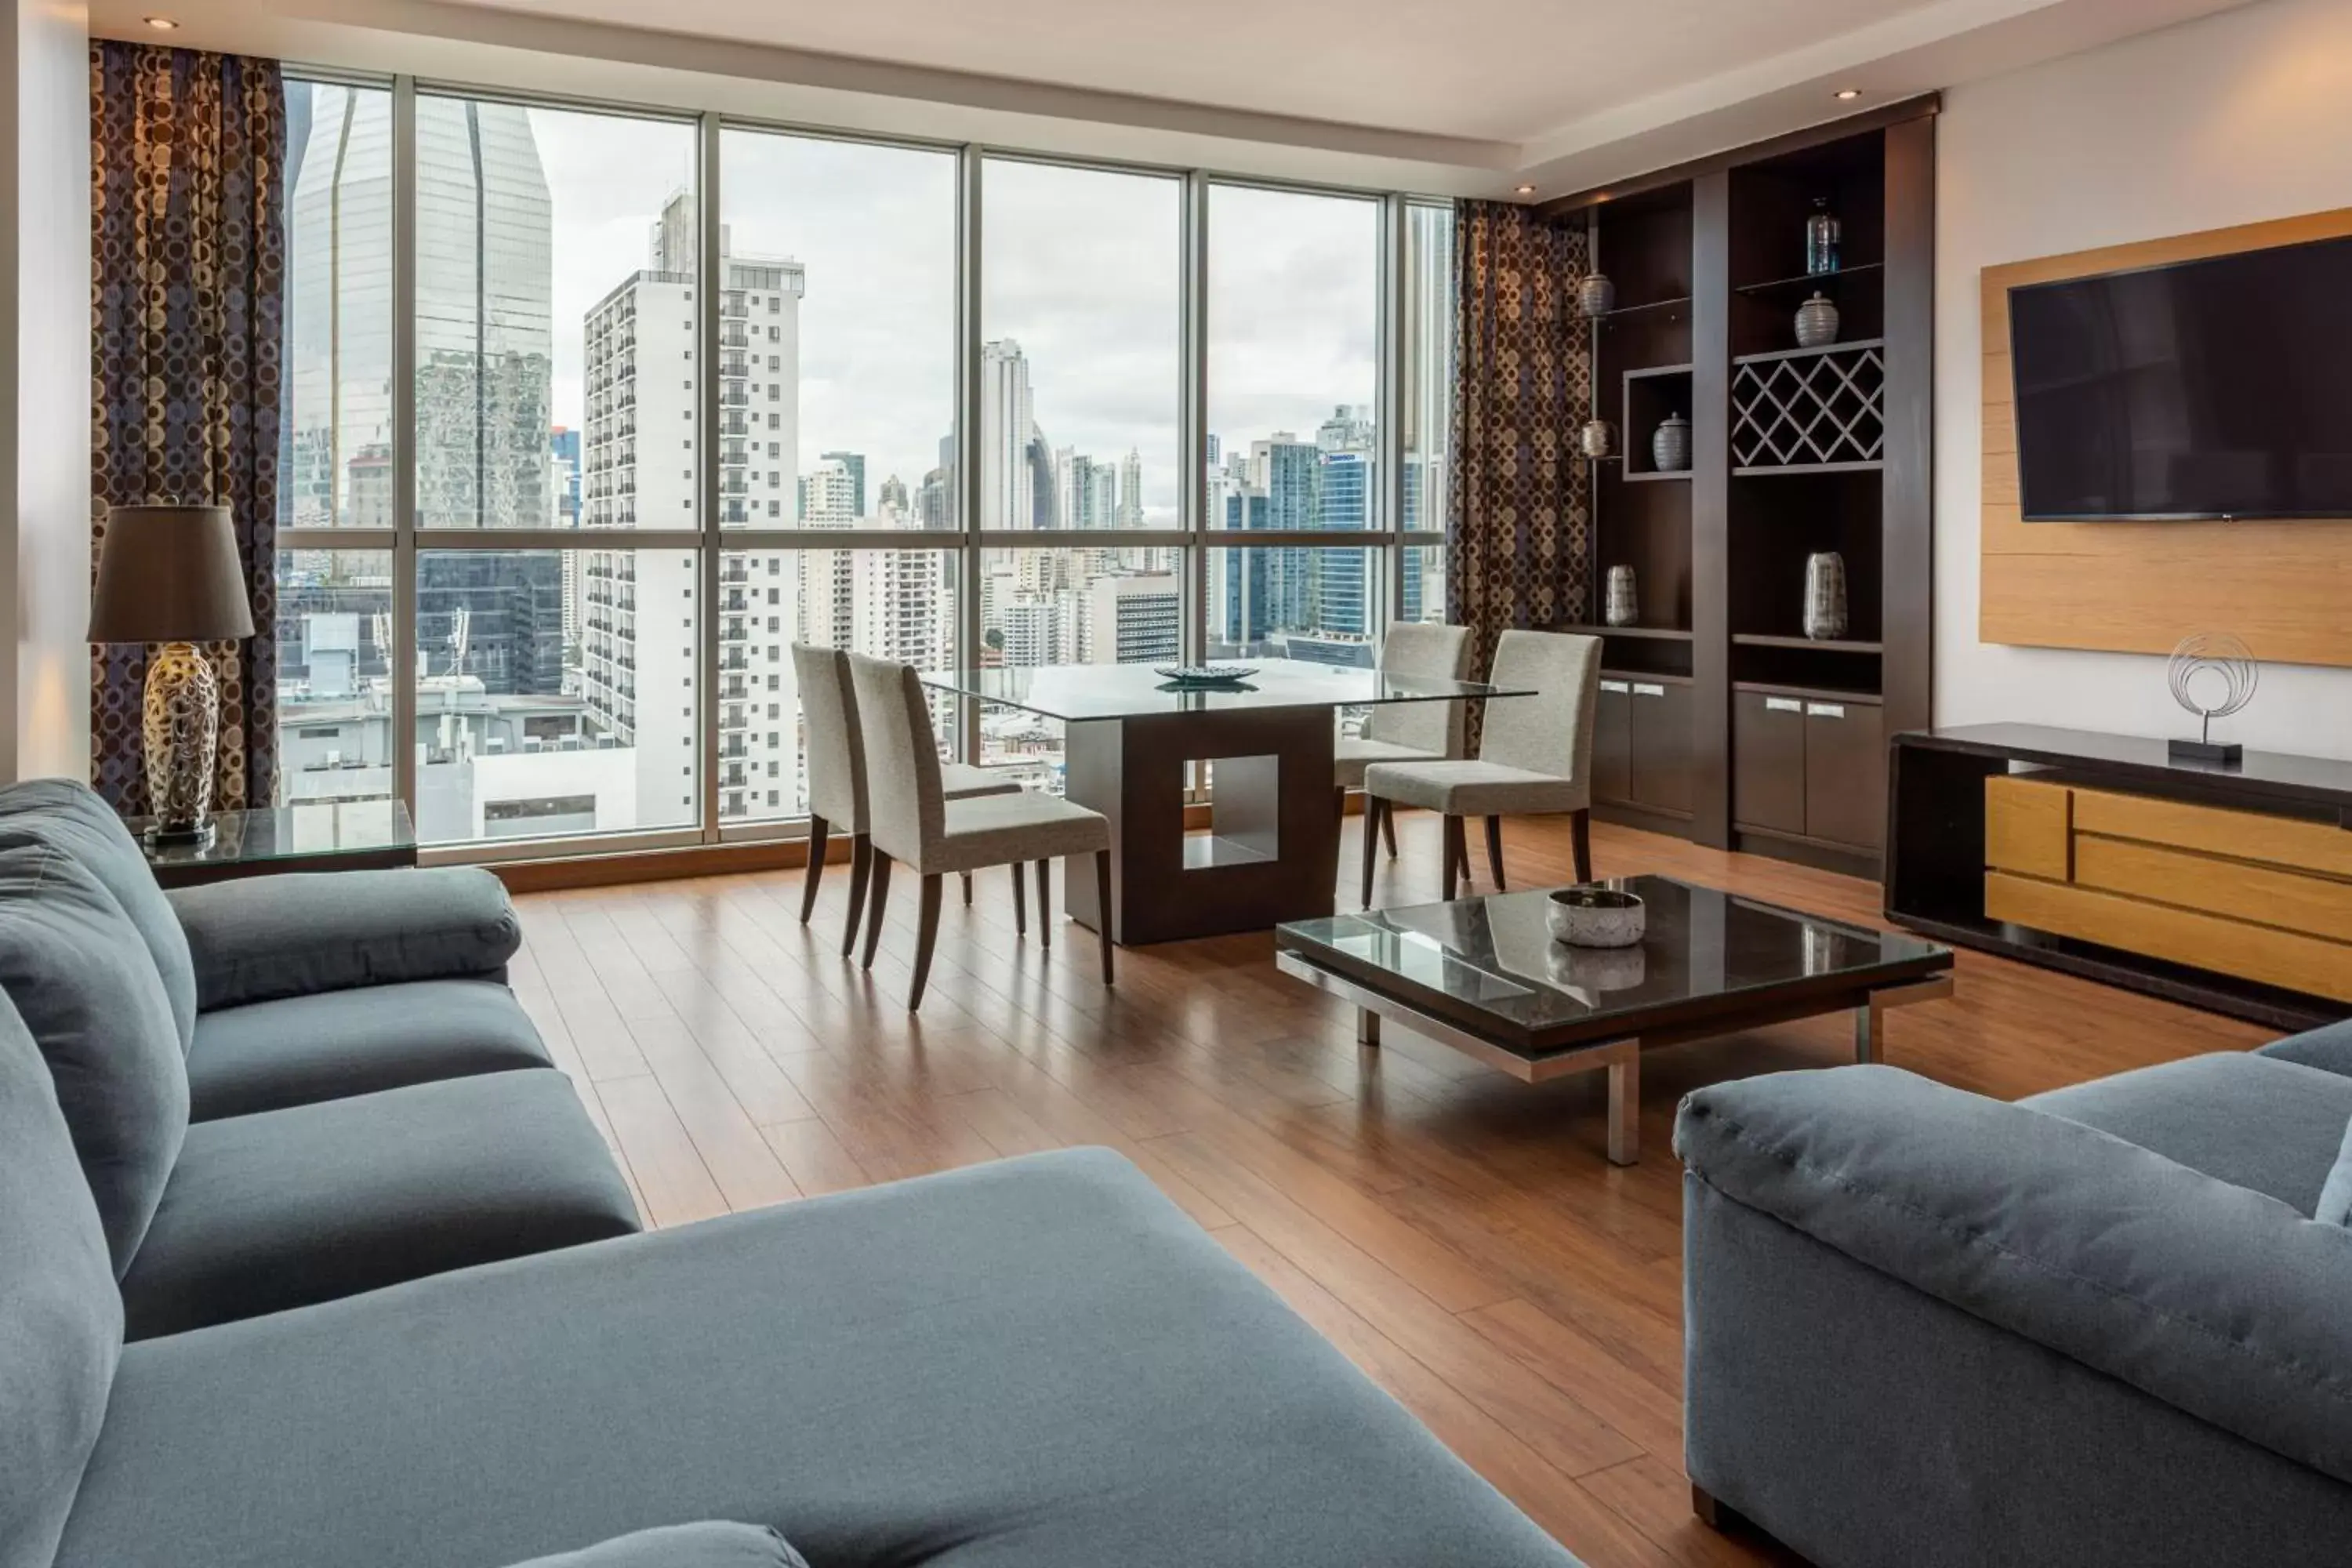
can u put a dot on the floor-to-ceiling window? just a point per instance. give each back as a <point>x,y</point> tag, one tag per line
<point>590,414</point>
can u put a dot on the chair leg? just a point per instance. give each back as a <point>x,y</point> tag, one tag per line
<point>818,832</point>
<point>1495,851</point>
<point>1375,809</point>
<point>927,935</point>
<point>874,917</point>
<point>1457,858</point>
<point>967,889</point>
<point>1045,901</point>
<point>1020,901</point>
<point>861,872</point>
<point>1388,829</point>
<point>1102,908</point>
<point>1579,834</point>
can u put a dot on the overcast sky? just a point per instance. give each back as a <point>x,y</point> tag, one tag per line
<point>1081,267</point>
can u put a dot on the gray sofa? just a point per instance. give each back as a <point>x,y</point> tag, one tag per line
<point>2106,1325</point>
<point>290,1089</point>
<point>1041,1361</point>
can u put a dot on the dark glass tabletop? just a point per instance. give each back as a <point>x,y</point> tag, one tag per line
<point>317,830</point>
<point>1491,964</point>
<point>1075,692</point>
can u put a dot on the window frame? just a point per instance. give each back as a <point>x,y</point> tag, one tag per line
<point>1193,538</point>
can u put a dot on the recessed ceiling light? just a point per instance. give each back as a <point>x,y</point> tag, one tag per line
<point>1848,94</point>
<point>1527,190</point>
<point>161,23</point>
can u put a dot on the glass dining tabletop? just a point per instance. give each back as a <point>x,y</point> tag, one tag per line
<point>1075,692</point>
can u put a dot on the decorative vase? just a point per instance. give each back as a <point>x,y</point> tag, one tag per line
<point>1822,233</point>
<point>1619,607</point>
<point>1596,296</point>
<point>1817,322</point>
<point>1593,440</point>
<point>1826,595</point>
<point>1670,444</point>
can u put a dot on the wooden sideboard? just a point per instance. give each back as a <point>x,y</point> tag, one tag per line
<point>2226,888</point>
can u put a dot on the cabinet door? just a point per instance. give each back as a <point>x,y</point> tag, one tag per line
<point>1845,774</point>
<point>1767,761</point>
<point>1612,742</point>
<point>1662,745</point>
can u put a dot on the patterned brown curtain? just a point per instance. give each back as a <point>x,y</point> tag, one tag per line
<point>1518,543</point>
<point>187,187</point>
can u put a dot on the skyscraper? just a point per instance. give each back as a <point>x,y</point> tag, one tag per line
<point>339,247</point>
<point>1007,422</point>
<point>484,315</point>
<point>639,666</point>
<point>855,462</point>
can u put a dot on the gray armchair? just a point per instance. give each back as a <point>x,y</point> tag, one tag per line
<point>2098,1326</point>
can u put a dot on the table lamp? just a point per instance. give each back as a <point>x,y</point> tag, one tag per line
<point>169,575</point>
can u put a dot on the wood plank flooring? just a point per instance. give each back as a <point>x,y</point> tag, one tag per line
<point>1456,1233</point>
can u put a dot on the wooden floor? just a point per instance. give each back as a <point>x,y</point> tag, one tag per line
<point>1456,1232</point>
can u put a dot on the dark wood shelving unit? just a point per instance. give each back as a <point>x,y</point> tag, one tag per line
<point>1739,731</point>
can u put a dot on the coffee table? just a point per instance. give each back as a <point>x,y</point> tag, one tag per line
<point>1485,976</point>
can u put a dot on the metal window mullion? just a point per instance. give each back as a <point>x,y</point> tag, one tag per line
<point>968,330</point>
<point>557,539</point>
<point>1388,437</point>
<point>710,266</point>
<point>337,538</point>
<point>1193,418</point>
<point>402,653</point>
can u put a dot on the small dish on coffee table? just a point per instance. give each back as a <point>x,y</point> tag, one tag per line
<point>1591,915</point>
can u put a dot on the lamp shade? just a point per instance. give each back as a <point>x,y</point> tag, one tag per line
<point>169,573</point>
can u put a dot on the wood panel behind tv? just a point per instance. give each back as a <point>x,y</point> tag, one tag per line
<point>2140,587</point>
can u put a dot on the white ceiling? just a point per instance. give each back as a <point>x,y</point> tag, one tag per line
<point>1498,71</point>
<point>1447,97</point>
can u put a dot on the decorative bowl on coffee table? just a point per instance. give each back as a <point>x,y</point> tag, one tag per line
<point>1589,915</point>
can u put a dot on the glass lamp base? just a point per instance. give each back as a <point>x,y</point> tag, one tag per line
<point>181,834</point>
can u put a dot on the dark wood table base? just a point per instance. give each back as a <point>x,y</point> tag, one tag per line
<point>1272,853</point>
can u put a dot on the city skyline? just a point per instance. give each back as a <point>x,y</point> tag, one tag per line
<point>553,385</point>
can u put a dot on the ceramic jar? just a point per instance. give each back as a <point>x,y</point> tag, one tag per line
<point>1619,607</point>
<point>1817,322</point>
<point>1670,444</point>
<point>1596,296</point>
<point>1593,441</point>
<point>1826,595</point>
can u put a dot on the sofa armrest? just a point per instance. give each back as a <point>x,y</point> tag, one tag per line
<point>261,938</point>
<point>2225,1303</point>
<point>708,1545</point>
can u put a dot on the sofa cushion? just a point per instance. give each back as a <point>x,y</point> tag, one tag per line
<point>298,1050</point>
<point>81,978</point>
<point>709,1544</point>
<point>259,938</point>
<point>69,814</point>
<point>60,1319</point>
<point>289,1207</point>
<point>1040,1363</point>
<point>2273,1126</point>
<point>2328,1048</point>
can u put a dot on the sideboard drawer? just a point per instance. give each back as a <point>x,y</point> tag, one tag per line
<point>2262,953</point>
<point>2028,826</point>
<point>2216,830</point>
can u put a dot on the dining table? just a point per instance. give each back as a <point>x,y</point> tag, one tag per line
<point>1269,851</point>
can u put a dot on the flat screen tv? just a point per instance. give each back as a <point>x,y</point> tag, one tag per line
<point>2217,388</point>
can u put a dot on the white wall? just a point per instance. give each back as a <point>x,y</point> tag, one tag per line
<point>45,390</point>
<point>2236,118</point>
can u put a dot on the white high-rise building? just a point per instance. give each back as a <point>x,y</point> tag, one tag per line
<point>640,458</point>
<point>1008,422</point>
<point>1133,620</point>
